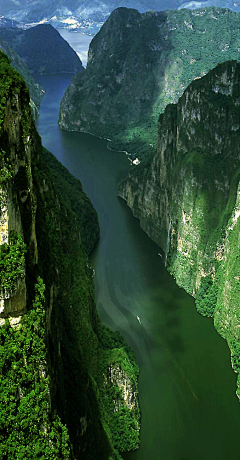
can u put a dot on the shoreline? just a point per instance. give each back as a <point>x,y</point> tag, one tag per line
<point>98,137</point>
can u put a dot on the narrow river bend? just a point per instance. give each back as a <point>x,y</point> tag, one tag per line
<point>186,384</point>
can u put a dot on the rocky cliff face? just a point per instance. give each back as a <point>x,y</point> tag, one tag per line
<point>187,199</point>
<point>17,194</point>
<point>139,63</point>
<point>55,354</point>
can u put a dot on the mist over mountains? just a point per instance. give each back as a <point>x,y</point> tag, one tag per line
<point>88,16</point>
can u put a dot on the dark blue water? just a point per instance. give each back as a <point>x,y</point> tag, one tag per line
<point>187,386</point>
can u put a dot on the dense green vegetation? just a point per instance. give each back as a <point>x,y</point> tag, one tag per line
<point>118,367</point>
<point>10,83</point>
<point>122,420</point>
<point>36,92</point>
<point>204,190</point>
<point>28,429</point>
<point>140,63</point>
<point>187,198</point>
<point>79,317</point>
<point>64,263</point>
<point>207,296</point>
<point>12,262</point>
<point>220,297</point>
<point>200,213</point>
<point>73,196</point>
<point>6,170</point>
<point>226,308</point>
<point>53,359</point>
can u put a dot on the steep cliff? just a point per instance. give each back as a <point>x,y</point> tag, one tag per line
<point>187,198</point>
<point>139,63</point>
<point>67,382</point>
<point>36,92</point>
<point>43,49</point>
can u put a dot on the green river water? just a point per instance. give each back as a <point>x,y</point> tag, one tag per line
<point>186,384</point>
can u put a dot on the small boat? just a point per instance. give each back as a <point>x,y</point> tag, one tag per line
<point>138,319</point>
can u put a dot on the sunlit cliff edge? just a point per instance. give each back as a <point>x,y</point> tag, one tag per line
<point>188,198</point>
<point>67,383</point>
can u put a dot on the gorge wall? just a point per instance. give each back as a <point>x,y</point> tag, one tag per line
<point>139,63</point>
<point>187,199</point>
<point>68,384</point>
<point>36,92</point>
<point>42,49</point>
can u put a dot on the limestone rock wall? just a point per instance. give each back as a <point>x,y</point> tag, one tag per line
<point>138,64</point>
<point>47,229</point>
<point>187,199</point>
<point>188,191</point>
<point>18,201</point>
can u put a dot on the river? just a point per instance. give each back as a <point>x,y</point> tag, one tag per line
<point>79,42</point>
<point>186,384</point>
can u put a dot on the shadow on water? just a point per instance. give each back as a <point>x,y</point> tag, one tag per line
<point>186,384</point>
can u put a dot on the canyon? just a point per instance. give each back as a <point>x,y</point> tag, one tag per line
<point>66,379</point>
<point>185,193</point>
<point>187,199</point>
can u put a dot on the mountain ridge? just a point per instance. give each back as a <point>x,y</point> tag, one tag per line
<point>36,91</point>
<point>43,49</point>
<point>140,62</point>
<point>87,16</point>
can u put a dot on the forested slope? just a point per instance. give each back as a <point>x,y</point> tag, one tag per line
<point>63,375</point>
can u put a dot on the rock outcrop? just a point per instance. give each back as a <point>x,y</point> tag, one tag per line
<point>55,353</point>
<point>17,194</point>
<point>139,63</point>
<point>187,198</point>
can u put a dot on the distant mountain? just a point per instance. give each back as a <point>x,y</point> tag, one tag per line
<point>86,15</point>
<point>233,5</point>
<point>43,49</point>
<point>89,15</point>
<point>38,9</point>
<point>5,22</point>
<point>36,92</point>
